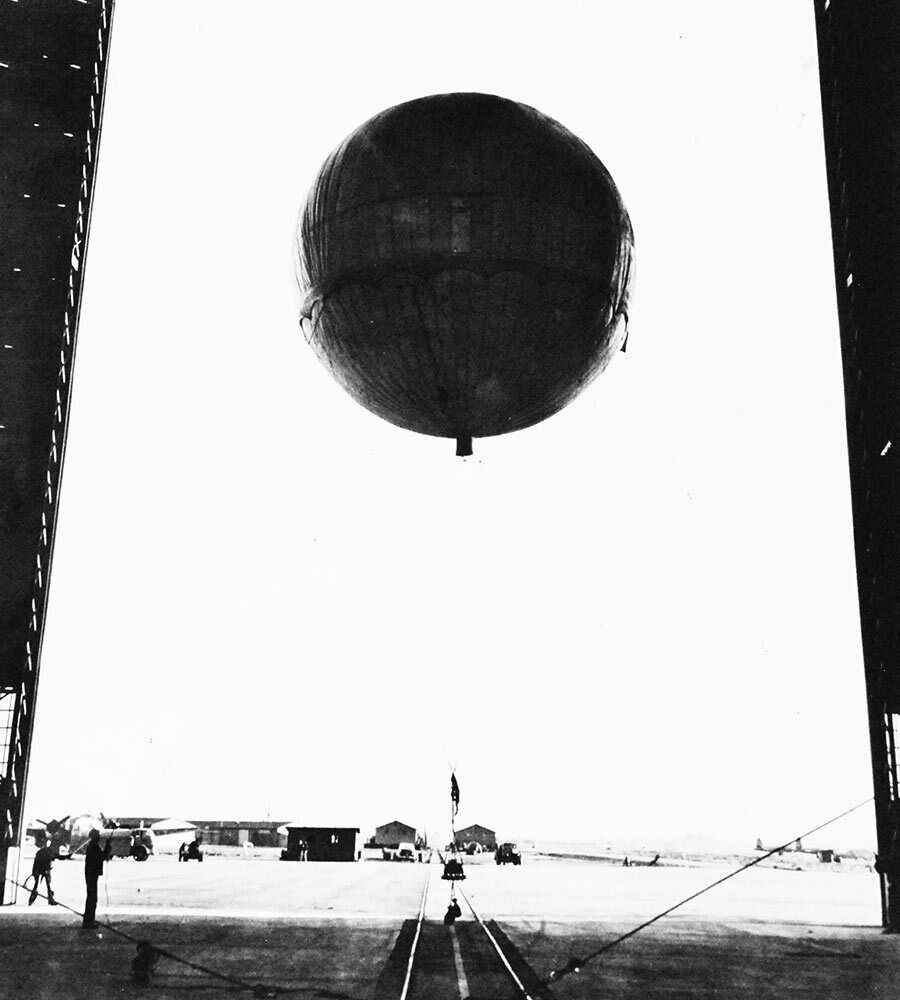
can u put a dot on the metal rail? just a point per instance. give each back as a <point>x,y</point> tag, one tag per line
<point>415,943</point>
<point>457,955</point>
<point>519,984</point>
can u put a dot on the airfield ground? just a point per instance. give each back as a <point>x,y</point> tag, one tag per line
<point>338,931</point>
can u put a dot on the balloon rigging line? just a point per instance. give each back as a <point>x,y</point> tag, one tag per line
<point>258,989</point>
<point>576,964</point>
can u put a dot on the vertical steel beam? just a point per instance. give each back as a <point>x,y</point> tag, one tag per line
<point>53,61</point>
<point>859,73</point>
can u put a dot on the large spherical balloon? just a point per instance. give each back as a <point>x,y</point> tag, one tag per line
<point>465,263</point>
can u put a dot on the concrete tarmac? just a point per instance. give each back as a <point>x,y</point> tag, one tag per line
<point>342,931</point>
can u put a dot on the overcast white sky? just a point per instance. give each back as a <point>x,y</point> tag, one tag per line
<point>635,619</point>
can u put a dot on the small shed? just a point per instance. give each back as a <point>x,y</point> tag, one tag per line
<point>322,843</point>
<point>392,834</point>
<point>477,834</point>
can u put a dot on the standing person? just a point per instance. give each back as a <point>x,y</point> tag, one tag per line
<point>94,857</point>
<point>43,861</point>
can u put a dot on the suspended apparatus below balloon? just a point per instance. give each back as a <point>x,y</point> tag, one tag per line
<point>465,264</point>
<point>453,871</point>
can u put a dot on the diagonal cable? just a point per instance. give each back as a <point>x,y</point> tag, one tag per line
<point>258,989</point>
<point>576,964</point>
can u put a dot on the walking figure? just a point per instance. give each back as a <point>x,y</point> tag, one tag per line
<point>40,869</point>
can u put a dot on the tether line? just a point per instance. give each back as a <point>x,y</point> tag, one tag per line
<point>258,989</point>
<point>576,964</point>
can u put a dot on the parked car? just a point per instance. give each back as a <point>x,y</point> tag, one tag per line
<point>508,854</point>
<point>405,852</point>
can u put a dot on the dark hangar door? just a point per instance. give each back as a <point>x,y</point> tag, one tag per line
<point>53,59</point>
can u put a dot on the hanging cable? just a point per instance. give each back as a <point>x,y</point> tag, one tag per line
<point>258,989</point>
<point>577,964</point>
<point>453,869</point>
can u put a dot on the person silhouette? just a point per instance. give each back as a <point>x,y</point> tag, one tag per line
<point>453,912</point>
<point>94,857</point>
<point>40,869</point>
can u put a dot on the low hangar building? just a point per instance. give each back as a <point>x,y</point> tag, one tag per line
<point>393,834</point>
<point>477,834</point>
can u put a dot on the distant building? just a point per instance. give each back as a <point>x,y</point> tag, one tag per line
<point>477,834</point>
<point>217,832</point>
<point>323,843</point>
<point>236,833</point>
<point>392,834</point>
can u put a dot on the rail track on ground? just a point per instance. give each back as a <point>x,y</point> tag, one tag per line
<point>471,959</point>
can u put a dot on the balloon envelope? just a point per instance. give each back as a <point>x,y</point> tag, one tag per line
<point>466,264</point>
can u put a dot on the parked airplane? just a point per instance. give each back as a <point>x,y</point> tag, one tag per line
<point>825,854</point>
<point>69,836</point>
<point>68,833</point>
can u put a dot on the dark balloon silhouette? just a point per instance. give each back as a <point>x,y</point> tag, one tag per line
<point>465,263</point>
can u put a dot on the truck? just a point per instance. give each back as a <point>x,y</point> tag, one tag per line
<point>125,842</point>
<point>508,854</point>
